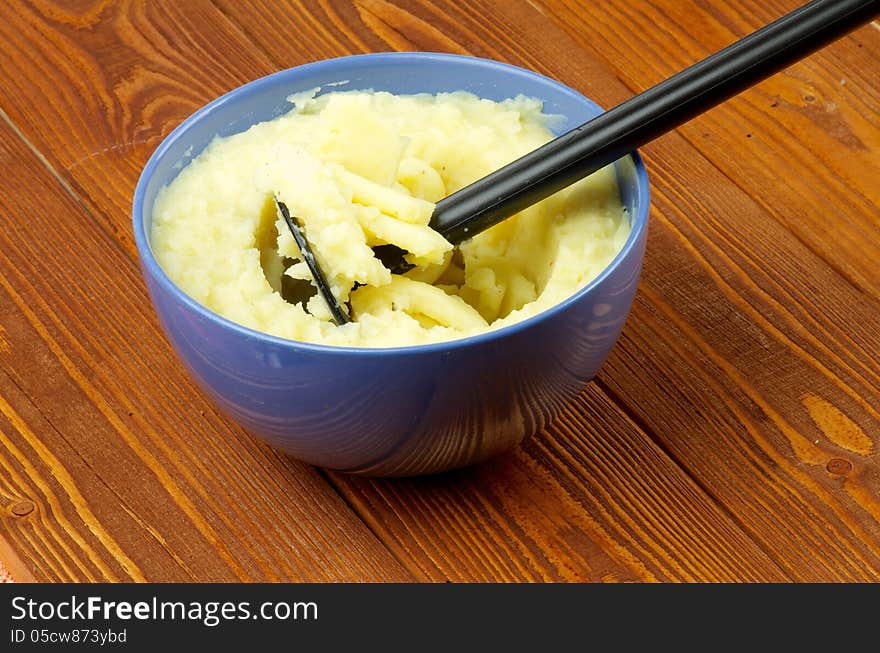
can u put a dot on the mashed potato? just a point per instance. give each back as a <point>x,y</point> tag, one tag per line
<point>360,169</point>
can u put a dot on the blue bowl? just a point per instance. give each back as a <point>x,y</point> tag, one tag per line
<point>408,410</point>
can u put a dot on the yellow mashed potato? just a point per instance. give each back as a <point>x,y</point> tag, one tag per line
<point>360,169</point>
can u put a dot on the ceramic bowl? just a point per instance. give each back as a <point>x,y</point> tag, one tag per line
<point>408,410</point>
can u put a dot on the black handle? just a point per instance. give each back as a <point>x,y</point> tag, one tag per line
<point>628,126</point>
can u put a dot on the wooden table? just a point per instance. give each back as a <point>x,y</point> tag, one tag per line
<point>733,435</point>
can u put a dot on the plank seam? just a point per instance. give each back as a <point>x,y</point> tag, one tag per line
<point>643,427</point>
<point>62,181</point>
<point>324,474</point>
<point>418,575</point>
<point>255,42</point>
<point>646,428</point>
<point>91,214</point>
<point>16,130</point>
<point>98,476</point>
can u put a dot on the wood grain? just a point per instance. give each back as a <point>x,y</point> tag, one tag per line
<point>94,89</point>
<point>734,307</point>
<point>798,309</point>
<point>754,566</point>
<point>589,500</point>
<point>132,474</point>
<point>732,435</point>
<point>803,143</point>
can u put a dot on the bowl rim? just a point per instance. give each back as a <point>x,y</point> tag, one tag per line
<point>151,266</point>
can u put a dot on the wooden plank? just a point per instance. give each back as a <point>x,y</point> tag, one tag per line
<point>149,86</point>
<point>743,559</point>
<point>772,322</point>
<point>390,499</point>
<point>130,472</point>
<point>771,350</point>
<point>803,143</point>
<point>591,499</point>
<point>48,517</point>
<point>789,401</point>
<point>96,88</point>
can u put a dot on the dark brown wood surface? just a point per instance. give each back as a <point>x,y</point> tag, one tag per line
<point>733,435</point>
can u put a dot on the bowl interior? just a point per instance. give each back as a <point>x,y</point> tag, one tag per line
<point>400,73</point>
